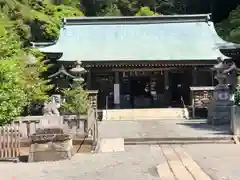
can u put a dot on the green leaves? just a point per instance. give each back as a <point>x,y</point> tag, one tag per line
<point>20,84</point>
<point>111,10</point>
<point>230,29</point>
<point>145,11</point>
<point>76,100</point>
<point>12,94</point>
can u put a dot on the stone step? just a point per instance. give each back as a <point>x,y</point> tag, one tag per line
<point>180,142</point>
<point>144,114</point>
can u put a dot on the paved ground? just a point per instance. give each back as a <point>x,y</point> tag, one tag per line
<point>133,164</point>
<point>136,163</point>
<point>140,162</point>
<point>221,162</point>
<point>156,128</point>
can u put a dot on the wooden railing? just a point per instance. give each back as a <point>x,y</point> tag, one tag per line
<point>9,142</point>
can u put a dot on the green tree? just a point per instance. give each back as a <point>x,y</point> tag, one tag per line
<point>28,77</point>
<point>38,20</point>
<point>12,94</point>
<point>35,86</point>
<point>76,100</point>
<point>229,29</point>
<point>145,11</point>
<point>128,7</point>
<point>111,10</point>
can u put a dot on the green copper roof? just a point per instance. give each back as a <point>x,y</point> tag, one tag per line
<point>188,37</point>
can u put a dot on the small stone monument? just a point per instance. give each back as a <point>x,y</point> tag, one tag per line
<point>219,111</point>
<point>50,144</point>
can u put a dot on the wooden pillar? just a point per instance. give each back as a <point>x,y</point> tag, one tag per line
<point>116,89</point>
<point>167,96</point>
<point>166,79</point>
<point>212,74</point>
<point>194,75</point>
<point>89,79</point>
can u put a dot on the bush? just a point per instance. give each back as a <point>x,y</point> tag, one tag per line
<point>146,11</point>
<point>12,94</point>
<point>75,100</point>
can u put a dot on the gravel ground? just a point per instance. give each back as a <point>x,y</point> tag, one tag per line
<point>220,162</point>
<point>136,163</point>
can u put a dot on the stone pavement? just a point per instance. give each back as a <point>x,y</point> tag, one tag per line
<point>136,163</point>
<point>219,161</point>
<point>142,162</point>
<point>158,128</point>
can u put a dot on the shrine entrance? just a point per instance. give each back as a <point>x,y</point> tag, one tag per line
<point>140,92</point>
<point>180,88</point>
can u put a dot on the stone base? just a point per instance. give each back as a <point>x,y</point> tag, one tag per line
<point>51,151</point>
<point>111,145</point>
<point>221,115</point>
<point>235,122</point>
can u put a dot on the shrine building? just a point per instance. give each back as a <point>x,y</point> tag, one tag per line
<point>137,62</point>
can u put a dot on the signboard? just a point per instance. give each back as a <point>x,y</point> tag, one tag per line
<point>116,94</point>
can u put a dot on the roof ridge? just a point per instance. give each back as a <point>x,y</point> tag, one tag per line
<point>136,19</point>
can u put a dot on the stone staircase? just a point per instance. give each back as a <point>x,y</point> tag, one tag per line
<point>145,114</point>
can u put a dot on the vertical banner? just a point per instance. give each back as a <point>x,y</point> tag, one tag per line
<point>116,94</point>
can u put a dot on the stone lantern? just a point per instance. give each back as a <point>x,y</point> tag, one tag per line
<point>78,71</point>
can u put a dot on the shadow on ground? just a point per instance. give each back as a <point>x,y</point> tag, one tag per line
<point>220,129</point>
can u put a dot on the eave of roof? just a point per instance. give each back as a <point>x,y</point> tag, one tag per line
<point>107,20</point>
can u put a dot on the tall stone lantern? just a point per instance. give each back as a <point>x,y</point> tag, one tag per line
<point>78,71</point>
<point>219,111</point>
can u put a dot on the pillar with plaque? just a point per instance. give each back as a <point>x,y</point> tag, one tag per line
<point>116,89</point>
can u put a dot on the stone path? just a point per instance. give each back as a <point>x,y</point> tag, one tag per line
<point>179,166</point>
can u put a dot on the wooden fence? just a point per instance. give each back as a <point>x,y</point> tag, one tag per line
<point>21,129</point>
<point>9,142</point>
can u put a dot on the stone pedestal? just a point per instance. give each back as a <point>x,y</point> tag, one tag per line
<point>235,121</point>
<point>50,144</point>
<point>219,111</point>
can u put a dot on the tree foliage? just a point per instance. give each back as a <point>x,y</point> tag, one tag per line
<point>145,11</point>
<point>229,29</point>
<point>111,10</point>
<point>76,100</point>
<point>36,20</point>
<point>12,94</point>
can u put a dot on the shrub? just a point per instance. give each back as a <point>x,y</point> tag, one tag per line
<point>12,94</point>
<point>75,100</point>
